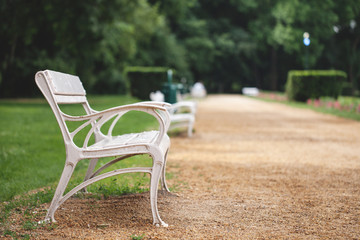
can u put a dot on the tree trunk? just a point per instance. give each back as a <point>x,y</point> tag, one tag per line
<point>273,70</point>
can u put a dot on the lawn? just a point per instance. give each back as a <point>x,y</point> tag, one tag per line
<point>32,152</point>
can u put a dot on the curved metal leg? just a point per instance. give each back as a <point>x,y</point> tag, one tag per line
<point>164,185</point>
<point>155,176</point>
<point>64,180</point>
<point>90,171</point>
<point>190,128</point>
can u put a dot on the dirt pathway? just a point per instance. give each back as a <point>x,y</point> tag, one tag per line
<point>253,170</point>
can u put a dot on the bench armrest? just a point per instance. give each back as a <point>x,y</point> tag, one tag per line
<point>162,104</point>
<point>97,119</point>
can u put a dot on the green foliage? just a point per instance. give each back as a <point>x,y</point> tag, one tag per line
<point>225,44</point>
<point>95,41</point>
<point>304,85</point>
<point>350,101</point>
<point>144,80</point>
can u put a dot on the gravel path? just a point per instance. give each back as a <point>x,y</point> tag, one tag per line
<point>253,170</point>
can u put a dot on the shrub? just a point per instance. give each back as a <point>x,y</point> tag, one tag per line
<point>312,84</point>
<point>144,80</point>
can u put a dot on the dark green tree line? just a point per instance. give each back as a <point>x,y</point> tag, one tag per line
<point>226,44</point>
<point>93,39</point>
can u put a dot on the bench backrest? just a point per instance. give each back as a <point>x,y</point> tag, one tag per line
<point>61,88</point>
<point>64,87</point>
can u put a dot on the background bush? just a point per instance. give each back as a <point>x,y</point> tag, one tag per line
<point>144,80</point>
<point>312,84</point>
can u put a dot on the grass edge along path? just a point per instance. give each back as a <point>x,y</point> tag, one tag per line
<point>32,147</point>
<point>311,104</point>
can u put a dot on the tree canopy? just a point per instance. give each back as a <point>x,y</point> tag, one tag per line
<point>225,44</point>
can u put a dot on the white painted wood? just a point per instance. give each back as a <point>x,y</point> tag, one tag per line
<point>59,88</point>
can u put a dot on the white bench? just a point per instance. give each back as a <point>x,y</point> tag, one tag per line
<point>60,88</point>
<point>182,113</point>
<point>250,91</point>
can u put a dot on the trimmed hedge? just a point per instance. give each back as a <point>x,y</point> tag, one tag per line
<point>144,80</point>
<point>312,84</point>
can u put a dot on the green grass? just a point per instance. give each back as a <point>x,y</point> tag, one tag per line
<point>32,152</point>
<point>32,156</point>
<point>25,205</point>
<point>135,237</point>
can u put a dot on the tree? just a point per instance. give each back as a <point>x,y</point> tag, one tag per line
<point>225,44</point>
<point>345,42</point>
<point>95,41</point>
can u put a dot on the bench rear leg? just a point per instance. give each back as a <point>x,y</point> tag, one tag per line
<point>190,129</point>
<point>164,185</point>
<point>90,171</point>
<point>154,183</point>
